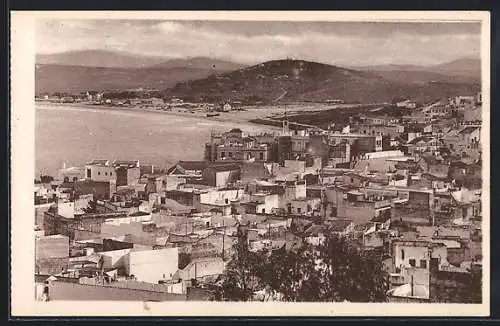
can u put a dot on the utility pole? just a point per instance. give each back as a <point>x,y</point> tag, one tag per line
<point>223,237</point>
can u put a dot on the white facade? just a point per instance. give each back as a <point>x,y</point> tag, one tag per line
<point>267,204</point>
<point>220,196</point>
<point>115,258</point>
<point>100,173</point>
<point>66,209</point>
<point>153,265</point>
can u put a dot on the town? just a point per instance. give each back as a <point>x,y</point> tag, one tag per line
<point>405,189</point>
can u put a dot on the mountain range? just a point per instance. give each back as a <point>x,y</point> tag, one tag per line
<point>298,80</point>
<point>277,80</point>
<point>78,71</point>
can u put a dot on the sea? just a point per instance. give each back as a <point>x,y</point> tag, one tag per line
<point>73,135</point>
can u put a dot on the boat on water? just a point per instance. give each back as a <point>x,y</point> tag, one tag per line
<point>213,114</point>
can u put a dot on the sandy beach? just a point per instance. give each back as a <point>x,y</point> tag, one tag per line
<point>246,115</point>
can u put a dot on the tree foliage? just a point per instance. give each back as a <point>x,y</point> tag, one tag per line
<point>333,271</point>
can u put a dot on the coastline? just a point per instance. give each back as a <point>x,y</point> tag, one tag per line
<point>232,117</point>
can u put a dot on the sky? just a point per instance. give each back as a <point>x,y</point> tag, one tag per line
<point>251,42</point>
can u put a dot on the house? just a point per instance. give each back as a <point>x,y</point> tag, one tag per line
<point>261,203</point>
<point>223,243</point>
<point>121,172</point>
<point>341,227</point>
<point>407,104</point>
<point>306,206</point>
<point>236,146</point>
<point>187,169</point>
<point>470,137</point>
<point>220,176</point>
<point>424,144</point>
<point>432,165</point>
<point>463,100</point>
<point>360,207</point>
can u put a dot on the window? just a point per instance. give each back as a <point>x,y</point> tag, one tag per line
<point>98,173</point>
<point>223,154</point>
<point>89,173</point>
<point>263,211</point>
<point>230,154</point>
<point>402,254</point>
<point>412,262</point>
<point>106,173</point>
<point>261,156</point>
<point>110,173</point>
<point>423,263</point>
<point>299,210</point>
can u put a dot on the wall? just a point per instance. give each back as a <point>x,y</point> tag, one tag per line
<point>100,189</point>
<point>76,292</point>
<point>115,258</point>
<point>295,165</point>
<point>136,229</point>
<point>133,175</point>
<point>416,251</point>
<point>271,202</point>
<point>39,213</point>
<point>358,213</point>
<point>101,173</point>
<point>51,254</point>
<point>306,206</point>
<point>52,246</point>
<point>153,265</point>
<point>202,267</point>
<point>223,178</point>
<point>214,196</point>
<point>66,209</point>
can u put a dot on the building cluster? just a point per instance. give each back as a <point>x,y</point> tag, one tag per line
<point>141,99</point>
<point>118,229</point>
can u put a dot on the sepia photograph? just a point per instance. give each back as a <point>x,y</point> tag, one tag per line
<point>258,159</point>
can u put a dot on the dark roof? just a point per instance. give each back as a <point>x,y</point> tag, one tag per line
<point>415,140</point>
<point>339,225</point>
<point>184,166</point>
<point>125,191</point>
<point>123,163</point>
<point>98,162</point>
<point>467,130</point>
<point>224,167</point>
<point>434,177</point>
<point>68,185</point>
<point>415,127</point>
<point>236,130</point>
<point>193,165</point>
<point>176,207</point>
<point>431,159</point>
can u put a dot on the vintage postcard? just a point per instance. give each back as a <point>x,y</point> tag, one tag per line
<point>250,163</point>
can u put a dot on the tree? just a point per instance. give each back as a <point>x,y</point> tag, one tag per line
<point>333,271</point>
<point>91,207</point>
<point>46,178</point>
<point>240,277</point>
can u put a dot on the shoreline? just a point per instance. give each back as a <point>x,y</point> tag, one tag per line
<point>197,115</point>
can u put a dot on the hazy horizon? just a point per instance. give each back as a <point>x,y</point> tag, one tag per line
<point>252,42</point>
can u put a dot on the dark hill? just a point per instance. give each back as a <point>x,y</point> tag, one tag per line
<point>297,80</point>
